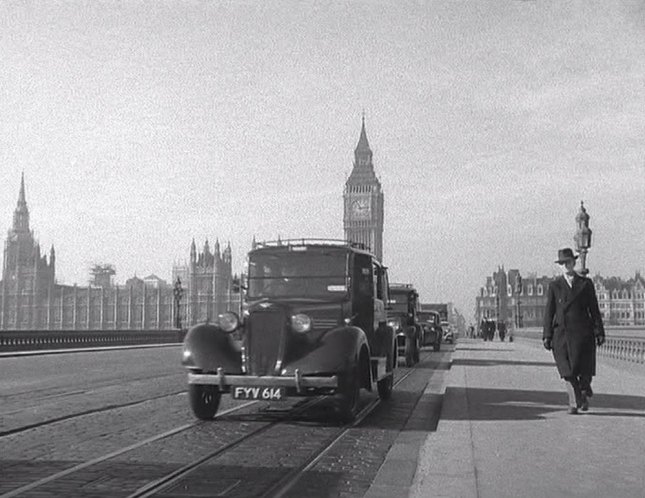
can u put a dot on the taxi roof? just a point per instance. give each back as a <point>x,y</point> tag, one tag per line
<point>296,245</point>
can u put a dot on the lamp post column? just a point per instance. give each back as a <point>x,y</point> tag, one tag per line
<point>518,293</point>
<point>178,292</point>
<point>582,237</point>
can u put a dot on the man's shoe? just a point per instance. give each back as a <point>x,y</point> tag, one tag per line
<point>573,410</point>
<point>584,402</point>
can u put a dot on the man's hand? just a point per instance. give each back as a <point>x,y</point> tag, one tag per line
<point>600,340</point>
<point>547,343</point>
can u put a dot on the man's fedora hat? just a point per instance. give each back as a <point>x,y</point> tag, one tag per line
<point>565,255</point>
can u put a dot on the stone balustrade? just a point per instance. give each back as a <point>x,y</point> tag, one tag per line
<point>33,340</point>
<point>626,344</point>
<point>624,348</point>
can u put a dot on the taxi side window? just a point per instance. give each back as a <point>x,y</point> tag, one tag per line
<point>377,287</point>
<point>380,283</point>
<point>365,281</point>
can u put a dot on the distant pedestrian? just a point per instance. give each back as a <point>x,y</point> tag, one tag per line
<point>501,329</point>
<point>490,325</point>
<point>572,330</point>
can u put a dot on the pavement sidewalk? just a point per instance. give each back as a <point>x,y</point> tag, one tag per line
<point>504,430</point>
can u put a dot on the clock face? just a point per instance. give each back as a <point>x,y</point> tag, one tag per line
<point>361,208</point>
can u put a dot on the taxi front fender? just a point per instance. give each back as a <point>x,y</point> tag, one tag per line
<point>206,347</point>
<point>336,351</point>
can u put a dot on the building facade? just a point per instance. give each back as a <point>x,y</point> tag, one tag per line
<point>511,298</point>
<point>621,302</point>
<point>521,301</point>
<point>363,200</point>
<point>31,299</point>
<point>207,281</point>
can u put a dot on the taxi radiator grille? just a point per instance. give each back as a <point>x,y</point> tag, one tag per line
<point>320,323</point>
<point>266,332</point>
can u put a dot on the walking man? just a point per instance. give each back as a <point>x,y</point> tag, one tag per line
<point>572,330</point>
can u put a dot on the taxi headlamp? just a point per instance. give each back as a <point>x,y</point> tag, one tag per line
<point>301,323</point>
<point>228,321</point>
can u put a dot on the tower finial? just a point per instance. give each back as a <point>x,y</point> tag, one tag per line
<point>363,145</point>
<point>21,195</point>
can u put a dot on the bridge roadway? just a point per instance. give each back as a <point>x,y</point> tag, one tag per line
<point>478,420</point>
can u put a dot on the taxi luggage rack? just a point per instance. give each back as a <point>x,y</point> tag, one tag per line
<point>402,286</point>
<point>311,241</point>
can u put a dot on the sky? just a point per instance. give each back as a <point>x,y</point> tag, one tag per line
<point>140,125</point>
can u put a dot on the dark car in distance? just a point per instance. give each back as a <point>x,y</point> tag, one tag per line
<point>433,333</point>
<point>402,316</point>
<point>448,333</point>
<point>314,323</point>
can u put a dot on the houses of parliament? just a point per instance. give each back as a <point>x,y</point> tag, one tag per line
<point>32,299</point>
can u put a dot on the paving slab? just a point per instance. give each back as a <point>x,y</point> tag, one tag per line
<point>504,430</point>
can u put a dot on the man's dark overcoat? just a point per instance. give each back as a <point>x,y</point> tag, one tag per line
<point>572,320</point>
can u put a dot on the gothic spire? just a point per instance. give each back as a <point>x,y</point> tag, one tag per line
<point>21,213</point>
<point>363,145</point>
<point>21,195</point>
<point>363,171</point>
<point>193,251</point>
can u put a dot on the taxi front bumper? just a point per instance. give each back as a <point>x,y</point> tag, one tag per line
<point>297,381</point>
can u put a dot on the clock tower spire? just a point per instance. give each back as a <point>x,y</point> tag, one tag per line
<point>363,200</point>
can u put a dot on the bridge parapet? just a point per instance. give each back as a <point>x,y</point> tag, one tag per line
<point>622,343</point>
<point>34,340</point>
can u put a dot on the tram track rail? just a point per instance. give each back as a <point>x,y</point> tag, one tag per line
<point>282,487</point>
<point>166,434</point>
<point>53,392</point>
<point>153,487</point>
<point>284,484</point>
<point>103,458</point>
<point>70,416</point>
<point>159,484</point>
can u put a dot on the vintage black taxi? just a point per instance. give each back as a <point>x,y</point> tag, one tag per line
<point>313,323</point>
<point>433,333</point>
<point>402,316</point>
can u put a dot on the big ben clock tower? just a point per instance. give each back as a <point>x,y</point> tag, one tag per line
<point>363,198</point>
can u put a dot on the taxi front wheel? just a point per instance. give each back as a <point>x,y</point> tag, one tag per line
<point>385,385</point>
<point>409,352</point>
<point>349,395</point>
<point>204,400</point>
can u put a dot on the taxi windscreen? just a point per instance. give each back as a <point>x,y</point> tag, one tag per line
<point>298,273</point>
<point>399,302</point>
<point>424,316</point>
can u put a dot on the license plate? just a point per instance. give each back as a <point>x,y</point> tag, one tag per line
<point>259,393</point>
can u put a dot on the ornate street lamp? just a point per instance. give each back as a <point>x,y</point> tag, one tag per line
<point>178,292</point>
<point>582,237</point>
